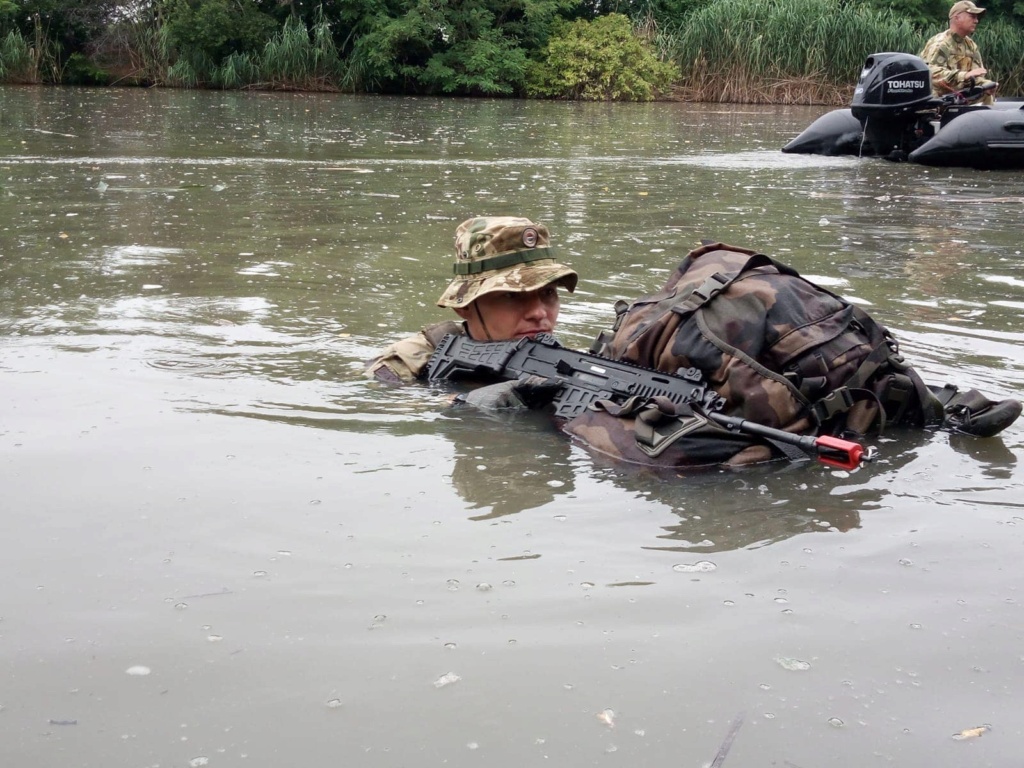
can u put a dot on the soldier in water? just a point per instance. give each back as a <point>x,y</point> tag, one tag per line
<point>505,287</point>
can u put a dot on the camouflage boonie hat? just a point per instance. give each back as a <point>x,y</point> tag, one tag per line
<point>502,253</point>
<point>965,6</point>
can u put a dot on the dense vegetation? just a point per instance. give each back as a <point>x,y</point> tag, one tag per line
<point>774,51</point>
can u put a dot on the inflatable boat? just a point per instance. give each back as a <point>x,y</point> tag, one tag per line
<point>894,115</point>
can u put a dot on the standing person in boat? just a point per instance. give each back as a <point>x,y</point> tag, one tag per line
<point>953,57</point>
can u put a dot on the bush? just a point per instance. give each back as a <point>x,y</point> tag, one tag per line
<point>79,70</point>
<point>599,60</point>
<point>215,29</point>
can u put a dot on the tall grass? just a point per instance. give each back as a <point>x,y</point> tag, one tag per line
<point>16,59</point>
<point>781,51</point>
<point>1002,50</point>
<point>302,60</point>
<point>29,61</point>
<point>134,51</point>
<point>294,59</point>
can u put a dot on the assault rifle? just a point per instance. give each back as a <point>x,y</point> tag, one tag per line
<point>586,378</point>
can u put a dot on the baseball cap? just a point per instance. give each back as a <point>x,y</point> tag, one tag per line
<point>965,6</point>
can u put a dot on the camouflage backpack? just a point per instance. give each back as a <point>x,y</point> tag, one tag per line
<point>781,351</point>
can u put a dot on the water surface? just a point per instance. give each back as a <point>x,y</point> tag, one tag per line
<point>226,547</point>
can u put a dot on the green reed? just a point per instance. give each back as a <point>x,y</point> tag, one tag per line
<point>1002,50</point>
<point>299,59</point>
<point>30,60</point>
<point>16,59</point>
<point>781,51</point>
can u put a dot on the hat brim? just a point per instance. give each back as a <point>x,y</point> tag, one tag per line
<point>464,290</point>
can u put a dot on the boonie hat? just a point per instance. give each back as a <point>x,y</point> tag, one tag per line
<point>502,253</point>
<point>965,6</point>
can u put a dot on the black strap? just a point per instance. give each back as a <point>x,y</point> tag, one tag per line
<point>501,261</point>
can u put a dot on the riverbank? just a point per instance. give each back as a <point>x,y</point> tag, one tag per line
<point>779,52</point>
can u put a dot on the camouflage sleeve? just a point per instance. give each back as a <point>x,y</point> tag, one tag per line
<point>948,62</point>
<point>406,360</point>
<point>945,74</point>
<point>403,361</point>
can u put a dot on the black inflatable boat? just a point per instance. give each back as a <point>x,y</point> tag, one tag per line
<point>894,115</point>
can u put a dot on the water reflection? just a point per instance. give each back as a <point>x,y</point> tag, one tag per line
<point>506,464</point>
<point>503,465</point>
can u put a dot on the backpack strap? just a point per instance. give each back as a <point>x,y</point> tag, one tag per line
<point>903,388</point>
<point>659,423</point>
<point>604,338</point>
<point>739,354</point>
<point>718,282</point>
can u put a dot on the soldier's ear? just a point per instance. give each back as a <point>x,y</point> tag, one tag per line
<point>462,312</point>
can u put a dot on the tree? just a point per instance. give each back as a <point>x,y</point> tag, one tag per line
<point>70,23</point>
<point>465,47</point>
<point>214,29</point>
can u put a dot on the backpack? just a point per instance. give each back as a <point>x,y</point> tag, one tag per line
<point>781,351</point>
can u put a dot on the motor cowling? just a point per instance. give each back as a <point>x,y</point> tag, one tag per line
<point>893,83</point>
<point>892,89</point>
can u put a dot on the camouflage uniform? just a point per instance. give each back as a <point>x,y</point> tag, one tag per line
<point>949,56</point>
<point>492,253</point>
<point>406,359</point>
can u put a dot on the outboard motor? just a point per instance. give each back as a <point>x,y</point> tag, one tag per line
<point>891,101</point>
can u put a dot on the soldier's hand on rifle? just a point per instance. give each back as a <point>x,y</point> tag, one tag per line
<point>524,393</point>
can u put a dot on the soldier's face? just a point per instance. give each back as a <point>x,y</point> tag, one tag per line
<point>965,23</point>
<point>505,315</point>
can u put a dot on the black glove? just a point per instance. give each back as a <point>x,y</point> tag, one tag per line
<point>527,392</point>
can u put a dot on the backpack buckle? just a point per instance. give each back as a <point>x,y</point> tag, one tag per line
<point>704,293</point>
<point>836,402</point>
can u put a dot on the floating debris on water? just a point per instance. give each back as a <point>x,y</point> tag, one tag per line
<point>701,566</point>
<point>795,665</point>
<point>972,733</point>
<point>607,716</point>
<point>138,671</point>
<point>446,679</point>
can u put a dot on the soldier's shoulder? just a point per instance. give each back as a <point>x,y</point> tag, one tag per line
<point>942,39</point>
<point>406,359</point>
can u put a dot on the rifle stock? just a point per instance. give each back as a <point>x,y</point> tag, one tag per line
<point>586,378</point>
